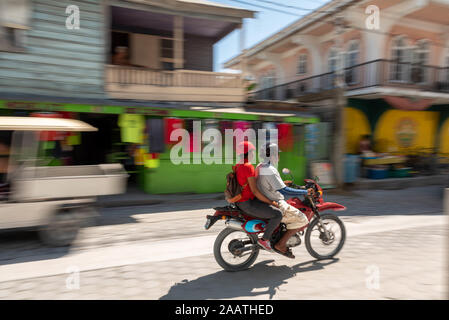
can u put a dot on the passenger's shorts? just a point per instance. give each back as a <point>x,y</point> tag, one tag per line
<point>292,217</point>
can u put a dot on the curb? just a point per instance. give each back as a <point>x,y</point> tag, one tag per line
<point>147,202</point>
<point>400,183</point>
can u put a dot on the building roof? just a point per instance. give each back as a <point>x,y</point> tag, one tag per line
<point>196,7</point>
<point>428,10</point>
<point>315,16</point>
<point>201,18</point>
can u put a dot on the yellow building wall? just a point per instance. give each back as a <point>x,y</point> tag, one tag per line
<point>356,125</point>
<point>405,131</point>
<point>444,138</point>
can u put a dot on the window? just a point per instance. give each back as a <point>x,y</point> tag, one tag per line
<point>420,59</point>
<point>14,21</point>
<point>12,38</point>
<point>352,59</point>
<point>400,68</point>
<point>267,83</point>
<point>333,60</point>
<point>302,64</point>
<point>447,69</point>
<point>167,54</point>
<point>268,80</point>
<point>332,67</point>
<point>443,83</point>
<point>409,62</point>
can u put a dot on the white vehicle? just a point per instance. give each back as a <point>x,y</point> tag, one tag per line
<point>57,201</point>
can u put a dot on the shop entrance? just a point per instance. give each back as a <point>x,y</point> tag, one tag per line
<point>104,145</point>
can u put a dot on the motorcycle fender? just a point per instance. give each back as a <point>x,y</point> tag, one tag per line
<point>330,206</point>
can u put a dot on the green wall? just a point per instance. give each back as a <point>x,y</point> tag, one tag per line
<point>203,178</point>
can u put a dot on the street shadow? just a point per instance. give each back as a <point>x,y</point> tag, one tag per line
<point>225,285</point>
<point>24,246</point>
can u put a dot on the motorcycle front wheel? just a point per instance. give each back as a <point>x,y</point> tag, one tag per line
<point>235,250</point>
<point>325,240</point>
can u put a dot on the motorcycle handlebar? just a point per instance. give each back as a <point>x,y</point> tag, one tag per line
<point>295,186</point>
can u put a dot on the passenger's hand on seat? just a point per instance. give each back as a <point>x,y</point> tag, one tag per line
<point>234,199</point>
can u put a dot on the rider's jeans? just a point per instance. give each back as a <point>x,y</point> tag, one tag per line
<point>259,209</point>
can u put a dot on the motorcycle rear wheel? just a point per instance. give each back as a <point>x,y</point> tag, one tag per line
<point>235,267</point>
<point>313,227</point>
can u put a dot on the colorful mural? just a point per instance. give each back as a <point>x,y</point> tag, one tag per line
<point>405,131</point>
<point>397,130</point>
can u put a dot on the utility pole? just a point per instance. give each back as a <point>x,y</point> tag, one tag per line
<point>340,104</point>
<point>243,66</point>
<point>242,40</point>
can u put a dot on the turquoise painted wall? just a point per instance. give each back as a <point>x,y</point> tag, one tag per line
<point>58,61</point>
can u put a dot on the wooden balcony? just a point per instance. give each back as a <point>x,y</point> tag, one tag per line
<point>123,82</point>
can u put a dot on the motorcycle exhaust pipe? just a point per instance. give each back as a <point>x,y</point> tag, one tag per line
<point>234,224</point>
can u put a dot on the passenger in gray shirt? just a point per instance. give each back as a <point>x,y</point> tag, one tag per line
<point>270,183</point>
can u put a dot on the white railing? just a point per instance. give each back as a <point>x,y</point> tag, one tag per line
<point>125,75</point>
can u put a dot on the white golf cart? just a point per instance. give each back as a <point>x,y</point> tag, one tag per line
<point>55,200</point>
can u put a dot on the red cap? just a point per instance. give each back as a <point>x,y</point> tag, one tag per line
<point>245,147</point>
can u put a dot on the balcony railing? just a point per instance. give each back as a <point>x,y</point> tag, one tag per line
<point>125,75</point>
<point>127,82</point>
<point>370,74</point>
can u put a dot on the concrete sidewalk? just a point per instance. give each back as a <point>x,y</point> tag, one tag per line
<point>136,197</point>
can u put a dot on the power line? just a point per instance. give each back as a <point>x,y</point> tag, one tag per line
<point>268,8</point>
<point>291,7</point>
<point>325,1</point>
<point>320,2</point>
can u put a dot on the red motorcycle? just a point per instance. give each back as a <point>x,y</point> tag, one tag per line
<point>236,247</point>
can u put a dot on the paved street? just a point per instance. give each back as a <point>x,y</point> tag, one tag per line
<point>395,249</point>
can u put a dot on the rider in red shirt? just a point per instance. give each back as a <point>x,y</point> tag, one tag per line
<point>253,202</point>
<point>245,171</point>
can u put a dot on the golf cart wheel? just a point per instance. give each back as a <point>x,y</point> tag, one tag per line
<point>62,229</point>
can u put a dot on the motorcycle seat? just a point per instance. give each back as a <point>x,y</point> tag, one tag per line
<point>229,208</point>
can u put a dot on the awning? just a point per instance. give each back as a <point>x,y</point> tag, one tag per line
<point>43,124</point>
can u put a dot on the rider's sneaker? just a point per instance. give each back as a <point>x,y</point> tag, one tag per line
<point>265,244</point>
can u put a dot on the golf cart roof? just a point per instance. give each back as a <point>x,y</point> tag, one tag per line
<point>43,124</point>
